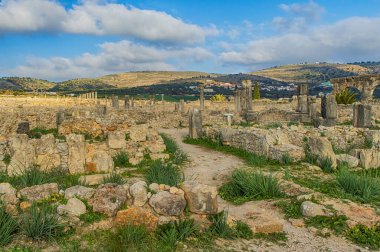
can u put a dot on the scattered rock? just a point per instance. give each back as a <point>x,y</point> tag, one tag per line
<point>136,216</point>
<point>165,203</point>
<point>201,199</point>
<point>79,191</point>
<point>265,224</point>
<point>8,194</point>
<point>74,207</point>
<point>321,147</point>
<point>311,209</point>
<point>139,193</point>
<point>95,179</point>
<point>348,159</point>
<point>154,187</point>
<point>108,198</point>
<point>39,192</point>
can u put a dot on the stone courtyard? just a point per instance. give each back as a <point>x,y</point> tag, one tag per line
<point>99,154</point>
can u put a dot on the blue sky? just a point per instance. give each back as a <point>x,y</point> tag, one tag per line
<point>59,40</point>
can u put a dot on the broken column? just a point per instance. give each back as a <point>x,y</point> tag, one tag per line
<point>247,85</point>
<point>312,105</point>
<point>237,101</point>
<point>101,109</point>
<point>362,115</point>
<point>195,123</point>
<point>329,110</point>
<point>126,102</point>
<point>202,96</point>
<point>182,106</point>
<point>60,117</point>
<point>302,99</point>
<point>115,101</point>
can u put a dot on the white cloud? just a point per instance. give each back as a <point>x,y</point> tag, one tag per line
<point>351,39</point>
<point>113,57</point>
<point>99,18</point>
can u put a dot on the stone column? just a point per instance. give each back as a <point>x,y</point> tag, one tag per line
<point>96,97</point>
<point>182,106</point>
<point>126,102</point>
<point>237,101</point>
<point>243,106</point>
<point>202,96</point>
<point>162,97</point>
<point>132,102</point>
<point>115,101</point>
<point>60,117</point>
<point>101,109</point>
<point>312,105</point>
<point>329,110</point>
<point>229,119</point>
<point>247,84</point>
<point>362,115</point>
<point>195,123</point>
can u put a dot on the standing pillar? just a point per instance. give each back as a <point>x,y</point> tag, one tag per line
<point>195,123</point>
<point>237,101</point>
<point>247,84</point>
<point>202,96</point>
<point>182,106</point>
<point>115,101</point>
<point>126,102</point>
<point>362,115</point>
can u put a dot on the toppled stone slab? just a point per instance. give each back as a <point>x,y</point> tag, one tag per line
<point>265,224</point>
<point>74,207</point>
<point>39,192</point>
<point>322,148</point>
<point>137,216</point>
<point>108,199</point>
<point>116,140</point>
<point>202,199</point>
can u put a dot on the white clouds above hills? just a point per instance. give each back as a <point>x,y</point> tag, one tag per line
<point>113,57</point>
<point>97,18</point>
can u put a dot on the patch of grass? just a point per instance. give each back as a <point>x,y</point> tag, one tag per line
<point>169,234</point>
<point>252,159</point>
<point>121,159</point>
<point>33,176</point>
<point>246,186</point>
<point>278,238</point>
<point>38,132</point>
<point>41,222</point>
<point>291,209</point>
<point>365,236</point>
<point>336,223</point>
<point>128,238</point>
<point>310,157</point>
<point>114,178</point>
<point>7,159</point>
<point>273,125</point>
<point>293,123</point>
<point>361,186</point>
<point>162,173</point>
<point>127,136</point>
<point>8,227</point>
<point>242,230</point>
<point>368,144</point>
<point>176,154</point>
<point>326,164</point>
<point>90,216</point>
<point>373,172</point>
<point>220,227</point>
<point>286,159</point>
<point>245,124</point>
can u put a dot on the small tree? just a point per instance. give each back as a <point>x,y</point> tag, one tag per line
<point>256,91</point>
<point>346,97</point>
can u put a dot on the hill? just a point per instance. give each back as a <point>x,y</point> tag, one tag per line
<point>24,84</point>
<point>312,73</point>
<point>81,85</point>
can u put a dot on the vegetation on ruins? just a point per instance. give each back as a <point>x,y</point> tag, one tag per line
<point>336,223</point>
<point>326,164</point>
<point>7,159</point>
<point>8,227</point>
<point>218,98</point>
<point>346,97</point>
<point>164,173</point>
<point>38,132</point>
<point>246,186</point>
<point>121,159</point>
<point>365,236</point>
<point>256,91</point>
<point>291,208</point>
<point>177,156</point>
<point>114,178</point>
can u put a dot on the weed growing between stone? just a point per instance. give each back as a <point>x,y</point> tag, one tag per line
<point>8,227</point>
<point>326,165</point>
<point>335,223</point>
<point>246,186</point>
<point>365,236</point>
<point>114,178</point>
<point>291,209</point>
<point>177,156</point>
<point>163,173</point>
<point>278,238</point>
<point>121,159</point>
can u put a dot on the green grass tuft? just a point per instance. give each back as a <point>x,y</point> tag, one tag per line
<point>121,159</point>
<point>365,236</point>
<point>128,238</point>
<point>177,156</point>
<point>326,164</point>
<point>8,227</point>
<point>7,159</point>
<point>336,223</point>
<point>291,209</point>
<point>245,186</point>
<point>162,173</point>
<point>114,178</point>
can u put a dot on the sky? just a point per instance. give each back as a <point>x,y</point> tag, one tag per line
<point>65,39</point>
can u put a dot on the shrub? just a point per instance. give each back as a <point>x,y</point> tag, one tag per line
<point>39,132</point>
<point>245,186</point>
<point>8,227</point>
<point>41,222</point>
<point>162,173</point>
<point>345,97</point>
<point>121,159</point>
<point>33,176</point>
<point>256,91</point>
<point>326,164</point>
<point>365,236</point>
<point>361,186</point>
<point>218,98</point>
<point>128,238</point>
<point>115,178</point>
<point>336,223</point>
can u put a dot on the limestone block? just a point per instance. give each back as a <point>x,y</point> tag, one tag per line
<point>116,140</point>
<point>138,133</point>
<point>139,193</point>
<point>39,192</point>
<point>137,216</point>
<point>108,199</point>
<point>165,203</point>
<point>77,153</point>
<point>277,152</point>
<point>348,159</point>
<point>80,192</point>
<point>23,154</point>
<point>321,147</point>
<point>74,207</point>
<point>201,199</point>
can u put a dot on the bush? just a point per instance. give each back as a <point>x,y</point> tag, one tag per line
<point>121,159</point>
<point>245,186</point>
<point>361,186</point>
<point>326,164</point>
<point>162,173</point>
<point>41,222</point>
<point>256,91</point>
<point>365,236</point>
<point>218,98</point>
<point>8,226</point>
<point>345,97</point>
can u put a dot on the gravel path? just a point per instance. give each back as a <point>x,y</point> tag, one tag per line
<point>213,168</point>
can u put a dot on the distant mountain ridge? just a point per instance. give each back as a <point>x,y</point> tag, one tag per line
<point>295,73</point>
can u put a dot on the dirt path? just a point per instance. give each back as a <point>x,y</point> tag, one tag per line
<point>213,168</point>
